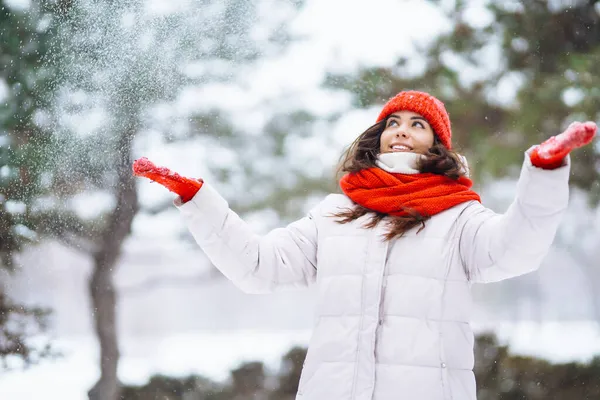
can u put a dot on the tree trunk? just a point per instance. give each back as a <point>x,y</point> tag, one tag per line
<point>104,312</point>
<point>102,289</point>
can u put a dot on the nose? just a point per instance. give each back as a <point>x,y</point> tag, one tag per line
<point>402,132</point>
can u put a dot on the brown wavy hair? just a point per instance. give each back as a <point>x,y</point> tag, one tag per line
<point>363,152</point>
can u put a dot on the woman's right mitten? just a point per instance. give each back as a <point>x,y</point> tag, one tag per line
<point>186,188</point>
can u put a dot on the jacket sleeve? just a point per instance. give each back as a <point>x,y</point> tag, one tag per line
<point>494,246</point>
<point>284,258</point>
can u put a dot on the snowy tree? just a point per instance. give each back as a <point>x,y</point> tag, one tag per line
<point>119,63</point>
<point>25,93</point>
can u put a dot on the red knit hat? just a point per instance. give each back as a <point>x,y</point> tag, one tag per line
<point>425,104</point>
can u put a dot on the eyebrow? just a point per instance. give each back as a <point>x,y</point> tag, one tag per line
<point>412,118</point>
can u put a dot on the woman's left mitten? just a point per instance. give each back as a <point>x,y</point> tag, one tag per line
<point>551,153</point>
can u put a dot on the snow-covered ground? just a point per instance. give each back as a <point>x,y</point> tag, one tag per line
<point>210,354</point>
<point>214,354</point>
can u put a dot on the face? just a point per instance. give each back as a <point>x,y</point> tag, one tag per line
<point>406,131</point>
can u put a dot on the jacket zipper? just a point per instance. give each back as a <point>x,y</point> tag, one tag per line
<point>380,316</point>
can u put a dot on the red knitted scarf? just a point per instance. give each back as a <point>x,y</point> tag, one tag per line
<point>391,193</point>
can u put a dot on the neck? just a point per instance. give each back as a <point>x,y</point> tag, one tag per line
<point>402,162</point>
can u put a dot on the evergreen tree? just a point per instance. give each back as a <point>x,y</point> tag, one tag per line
<point>25,93</point>
<point>121,60</point>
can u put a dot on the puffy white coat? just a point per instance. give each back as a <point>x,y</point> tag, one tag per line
<point>393,317</point>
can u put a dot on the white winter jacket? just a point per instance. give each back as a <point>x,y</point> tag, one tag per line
<point>392,320</point>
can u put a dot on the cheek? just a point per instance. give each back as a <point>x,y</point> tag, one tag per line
<point>427,139</point>
<point>384,139</point>
<point>431,139</point>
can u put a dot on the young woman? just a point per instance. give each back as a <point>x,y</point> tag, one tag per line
<point>394,256</point>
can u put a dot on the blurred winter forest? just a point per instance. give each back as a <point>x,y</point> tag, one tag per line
<point>260,98</point>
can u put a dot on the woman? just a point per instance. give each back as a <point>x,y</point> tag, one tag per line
<point>393,257</point>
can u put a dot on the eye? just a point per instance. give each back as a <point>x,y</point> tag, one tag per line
<point>392,122</point>
<point>419,124</point>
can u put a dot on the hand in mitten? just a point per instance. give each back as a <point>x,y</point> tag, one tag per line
<point>186,188</point>
<point>551,153</point>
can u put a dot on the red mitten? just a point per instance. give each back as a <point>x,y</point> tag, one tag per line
<point>551,153</point>
<point>186,188</point>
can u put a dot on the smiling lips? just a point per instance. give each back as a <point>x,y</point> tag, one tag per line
<point>401,147</point>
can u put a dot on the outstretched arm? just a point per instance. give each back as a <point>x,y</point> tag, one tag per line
<point>494,246</point>
<point>285,258</point>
